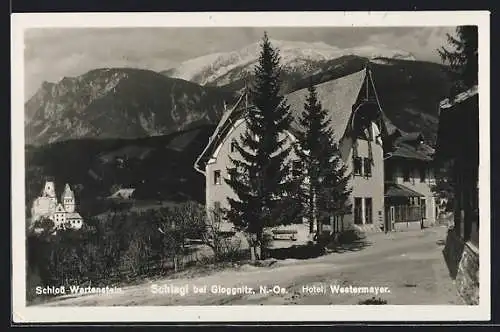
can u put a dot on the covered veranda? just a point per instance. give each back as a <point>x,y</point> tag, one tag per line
<point>402,205</point>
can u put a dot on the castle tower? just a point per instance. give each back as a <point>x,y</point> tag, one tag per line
<point>68,199</point>
<point>49,194</point>
<point>49,189</point>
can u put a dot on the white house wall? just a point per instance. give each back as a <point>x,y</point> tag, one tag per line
<point>424,188</point>
<point>220,161</point>
<point>366,187</point>
<point>362,187</point>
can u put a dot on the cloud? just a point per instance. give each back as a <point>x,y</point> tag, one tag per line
<point>51,54</point>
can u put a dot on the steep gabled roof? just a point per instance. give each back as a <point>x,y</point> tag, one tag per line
<point>337,96</point>
<point>73,215</point>
<point>410,146</point>
<point>449,103</point>
<point>458,132</point>
<point>68,193</point>
<point>407,151</point>
<point>60,208</point>
<point>398,190</point>
<point>228,118</point>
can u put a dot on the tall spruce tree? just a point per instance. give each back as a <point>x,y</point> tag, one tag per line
<point>462,57</point>
<point>326,192</point>
<point>260,175</point>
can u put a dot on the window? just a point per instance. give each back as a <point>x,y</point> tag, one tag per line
<point>414,201</point>
<point>357,165</point>
<point>217,177</point>
<point>357,211</point>
<point>364,131</point>
<point>367,166</point>
<point>422,174</point>
<point>406,173</point>
<point>368,210</point>
<point>233,146</point>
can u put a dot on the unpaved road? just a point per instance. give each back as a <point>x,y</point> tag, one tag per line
<point>410,264</point>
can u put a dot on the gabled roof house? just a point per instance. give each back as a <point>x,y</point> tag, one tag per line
<point>357,120</point>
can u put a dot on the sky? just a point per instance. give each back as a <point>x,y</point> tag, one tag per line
<point>51,54</point>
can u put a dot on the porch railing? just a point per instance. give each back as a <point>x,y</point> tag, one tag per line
<point>407,213</point>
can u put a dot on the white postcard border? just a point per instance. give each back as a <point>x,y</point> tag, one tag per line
<point>23,314</point>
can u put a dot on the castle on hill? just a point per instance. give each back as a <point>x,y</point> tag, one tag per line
<point>62,213</point>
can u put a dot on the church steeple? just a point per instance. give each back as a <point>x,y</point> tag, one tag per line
<point>68,199</point>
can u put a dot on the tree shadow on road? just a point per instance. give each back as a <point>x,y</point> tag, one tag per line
<point>305,251</point>
<point>452,252</point>
<point>356,245</point>
<point>348,241</point>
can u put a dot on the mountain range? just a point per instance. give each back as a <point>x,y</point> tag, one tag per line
<point>119,103</point>
<point>298,58</point>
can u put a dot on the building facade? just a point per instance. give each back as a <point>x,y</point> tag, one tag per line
<point>357,121</point>
<point>62,213</point>
<point>409,181</point>
<point>458,147</point>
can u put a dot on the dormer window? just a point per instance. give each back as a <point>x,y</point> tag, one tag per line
<point>233,146</point>
<point>365,132</point>
<point>365,114</point>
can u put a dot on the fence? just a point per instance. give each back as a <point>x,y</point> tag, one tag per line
<point>126,274</point>
<point>408,213</point>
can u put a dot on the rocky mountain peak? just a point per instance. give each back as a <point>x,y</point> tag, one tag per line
<point>118,102</point>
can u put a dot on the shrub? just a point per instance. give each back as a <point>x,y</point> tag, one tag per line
<point>225,246</point>
<point>125,244</point>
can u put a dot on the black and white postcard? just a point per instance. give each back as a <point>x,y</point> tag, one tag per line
<point>298,166</point>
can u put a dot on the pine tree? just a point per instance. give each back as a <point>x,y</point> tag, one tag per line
<point>463,58</point>
<point>260,176</point>
<point>326,192</point>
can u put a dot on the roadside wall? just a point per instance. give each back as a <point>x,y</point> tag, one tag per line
<point>462,260</point>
